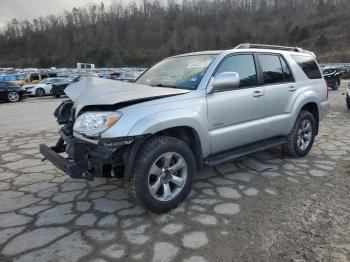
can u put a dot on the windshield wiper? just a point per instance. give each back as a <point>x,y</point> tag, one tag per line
<point>170,86</point>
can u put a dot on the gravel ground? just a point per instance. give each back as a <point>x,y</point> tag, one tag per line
<point>263,207</point>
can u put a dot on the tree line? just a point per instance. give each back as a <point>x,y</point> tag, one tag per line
<point>140,34</point>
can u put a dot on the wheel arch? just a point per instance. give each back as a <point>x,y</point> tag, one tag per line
<point>185,133</point>
<point>313,109</point>
<point>308,102</point>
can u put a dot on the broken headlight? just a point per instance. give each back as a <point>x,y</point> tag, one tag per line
<point>92,124</point>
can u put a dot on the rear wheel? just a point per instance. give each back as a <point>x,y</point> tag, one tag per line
<point>336,85</point>
<point>162,174</point>
<point>301,139</point>
<point>40,92</point>
<point>13,96</point>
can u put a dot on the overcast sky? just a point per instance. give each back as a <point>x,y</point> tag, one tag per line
<point>29,9</point>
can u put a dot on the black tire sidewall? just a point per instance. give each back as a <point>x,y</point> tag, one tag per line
<point>141,180</point>
<point>304,115</point>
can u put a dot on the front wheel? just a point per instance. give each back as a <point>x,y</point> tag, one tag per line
<point>348,100</point>
<point>301,139</point>
<point>162,175</point>
<point>13,97</point>
<point>40,92</point>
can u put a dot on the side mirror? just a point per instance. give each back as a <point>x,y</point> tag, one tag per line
<point>224,82</point>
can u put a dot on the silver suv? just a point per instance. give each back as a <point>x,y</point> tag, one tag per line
<point>187,112</point>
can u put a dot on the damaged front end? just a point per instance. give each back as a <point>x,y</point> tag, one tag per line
<point>85,158</point>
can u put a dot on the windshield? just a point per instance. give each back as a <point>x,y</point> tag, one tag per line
<point>179,72</point>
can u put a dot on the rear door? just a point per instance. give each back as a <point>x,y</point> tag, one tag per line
<point>236,117</point>
<point>280,88</point>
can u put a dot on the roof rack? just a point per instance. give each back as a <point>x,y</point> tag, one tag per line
<point>278,47</point>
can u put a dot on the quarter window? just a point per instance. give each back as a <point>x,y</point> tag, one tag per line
<point>244,65</point>
<point>308,65</point>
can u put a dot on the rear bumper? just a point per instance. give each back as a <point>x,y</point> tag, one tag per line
<point>324,109</point>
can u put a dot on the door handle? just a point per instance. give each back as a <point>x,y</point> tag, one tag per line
<point>257,93</point>
<point>292,89</point>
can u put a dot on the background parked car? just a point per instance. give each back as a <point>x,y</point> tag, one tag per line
<point>34,78</point>
<point>332,77</point>
<point>129,76</point>
<point>59,87</point>
<point>11,92</point>
<point>43,87</point>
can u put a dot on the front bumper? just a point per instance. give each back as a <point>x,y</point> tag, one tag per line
<point>85,160</point>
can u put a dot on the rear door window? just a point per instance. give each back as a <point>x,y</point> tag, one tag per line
<point>272,68</point>
<point>288,76</point>
<point>308,65</point>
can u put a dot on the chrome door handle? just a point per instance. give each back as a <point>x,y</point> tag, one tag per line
<point>257,93</point>
<point>292,88</point>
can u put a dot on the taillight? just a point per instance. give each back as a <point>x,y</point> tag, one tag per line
<point>326,86</point>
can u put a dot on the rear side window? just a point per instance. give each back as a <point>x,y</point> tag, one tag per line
<point>34,77</point>
<point>244,65</point>
<point>43,76</point>
<point>308,65</point>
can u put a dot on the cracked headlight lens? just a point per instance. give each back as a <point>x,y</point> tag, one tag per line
<point>94,123</point>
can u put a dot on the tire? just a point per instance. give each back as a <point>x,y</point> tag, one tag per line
<point>153,155</point>
<point>13,97</point>
<point>348,101</point>
<point>299,134</point>
<point>40,92</point>
<point>336,85</point>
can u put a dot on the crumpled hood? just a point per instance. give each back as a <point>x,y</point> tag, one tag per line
<point>97,91</point>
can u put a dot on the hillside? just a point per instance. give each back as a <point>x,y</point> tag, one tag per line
<point>132,35</point>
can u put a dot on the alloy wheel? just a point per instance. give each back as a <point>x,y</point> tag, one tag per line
<point>304,134</point>
<point>167,176</point>
<point>13,96</point>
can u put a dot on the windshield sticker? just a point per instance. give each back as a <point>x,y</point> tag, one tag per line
<point>199,64</point>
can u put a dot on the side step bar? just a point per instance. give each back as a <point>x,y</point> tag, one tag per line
<point>244,150</point>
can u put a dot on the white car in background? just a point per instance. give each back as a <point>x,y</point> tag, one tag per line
<point>43,87</point>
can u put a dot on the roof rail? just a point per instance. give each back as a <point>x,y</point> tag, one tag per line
<point>278,47</point>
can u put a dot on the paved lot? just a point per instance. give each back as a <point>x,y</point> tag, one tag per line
<point>264,207</point>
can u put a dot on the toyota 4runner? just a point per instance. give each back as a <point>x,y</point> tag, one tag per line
<point>187,112</point>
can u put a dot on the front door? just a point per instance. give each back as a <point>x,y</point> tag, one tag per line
<point>237,117</point>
